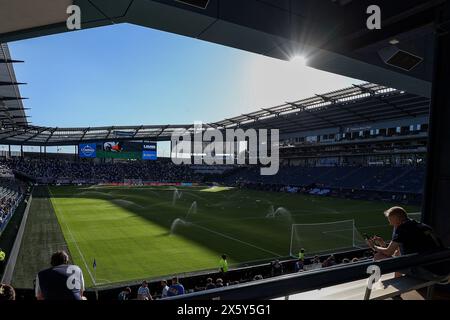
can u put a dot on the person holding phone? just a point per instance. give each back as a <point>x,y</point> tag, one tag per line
<point>409,236</point>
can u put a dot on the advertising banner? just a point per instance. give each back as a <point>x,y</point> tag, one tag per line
<point>88,150</point>
<point>149,151</point>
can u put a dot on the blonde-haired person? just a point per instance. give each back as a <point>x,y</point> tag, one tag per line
<point>408,236</point>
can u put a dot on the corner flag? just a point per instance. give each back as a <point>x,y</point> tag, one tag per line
<point>94,265</point>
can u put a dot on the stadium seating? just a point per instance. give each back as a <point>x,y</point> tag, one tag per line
<point>403,179</point>
<point>11,194</point>
<point>60,171</point>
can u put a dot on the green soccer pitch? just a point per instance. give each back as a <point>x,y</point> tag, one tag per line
<point>138,233</point>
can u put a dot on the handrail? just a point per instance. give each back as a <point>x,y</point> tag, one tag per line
<point>301,282</point>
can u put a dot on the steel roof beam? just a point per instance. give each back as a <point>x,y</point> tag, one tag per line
<point>162,130</point>
<point>9,83</point>
<point>35,135</point>
<point>84,134</point>
<point>137,131</point>
<point>3,60</point>
<point>303,109</point>
<point>52,130</point>
<point>12,98</point>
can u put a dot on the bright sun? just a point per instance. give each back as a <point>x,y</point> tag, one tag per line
<point>299,61</point>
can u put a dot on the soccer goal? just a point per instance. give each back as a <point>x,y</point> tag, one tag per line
<point>330,237</point>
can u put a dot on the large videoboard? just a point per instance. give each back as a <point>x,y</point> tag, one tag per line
<point>119,150</point>
<point>149,151</point>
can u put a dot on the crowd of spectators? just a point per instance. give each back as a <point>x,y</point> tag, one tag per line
<point>53,170</point>
<point>11,192</point>
<point>226,277</point>
<point>345,182</point>
<point>173,287</point>
<point>403,179</point>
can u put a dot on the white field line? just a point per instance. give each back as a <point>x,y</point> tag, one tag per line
<point>73,239</point>
<point>234,239</point>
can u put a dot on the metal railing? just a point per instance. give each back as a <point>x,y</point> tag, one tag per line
<point>302,282</point>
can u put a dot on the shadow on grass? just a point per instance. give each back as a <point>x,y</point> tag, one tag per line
<point>136,201</point>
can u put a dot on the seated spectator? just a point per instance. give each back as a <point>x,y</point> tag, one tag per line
<point>355,260</point>
<point>299,265</point>
<point>210,284</point>
<point>125,294</point>
<point>144,292</point>
<point>345,260</point>
<point>329,262</point>
<point>165,288</point>
<point>219,283</point>
<point>332,260</point>
<point>410,237</point>
<point>176,288</point>
<point>62,281</point>
<point>258,277</point>
<point>7,292</point>
<point>277,268</point>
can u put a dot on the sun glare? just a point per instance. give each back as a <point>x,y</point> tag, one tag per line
<point>299,61</point>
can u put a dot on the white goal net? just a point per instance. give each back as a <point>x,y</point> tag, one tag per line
<point>330,237</point>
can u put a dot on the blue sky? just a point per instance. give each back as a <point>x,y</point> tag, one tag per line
<point>131,75</point>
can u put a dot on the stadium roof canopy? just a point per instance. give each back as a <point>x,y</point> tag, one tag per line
<point>365,103</point>
<point>11,108</point>
<point>283,29</point>
<point>332,34</point>
<point>360,104</point>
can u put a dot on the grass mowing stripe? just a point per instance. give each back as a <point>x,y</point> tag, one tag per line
<point>42,237</point>
<point>128,230</point>
<point>73,238</point>
<point>231,238</point>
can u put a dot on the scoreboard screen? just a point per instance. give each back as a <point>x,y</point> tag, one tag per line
<point>119,150</point>
<point>149,151</point>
